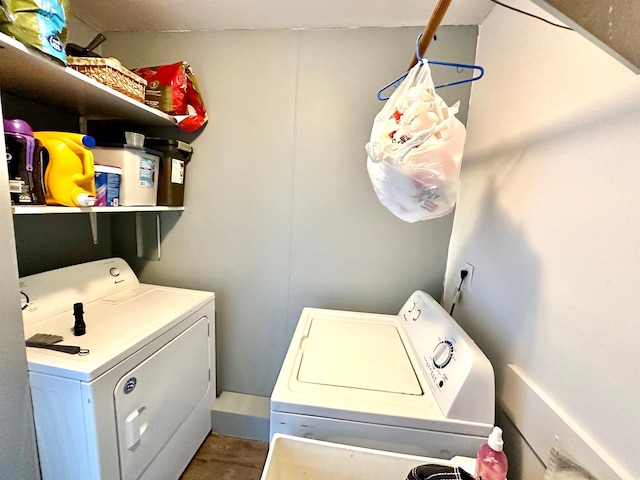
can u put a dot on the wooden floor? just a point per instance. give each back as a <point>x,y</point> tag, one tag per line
<point>227,458</point>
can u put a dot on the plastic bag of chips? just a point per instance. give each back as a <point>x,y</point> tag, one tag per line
<point>174,90</point>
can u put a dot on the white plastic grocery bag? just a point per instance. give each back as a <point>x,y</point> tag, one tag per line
<point>415,150</point>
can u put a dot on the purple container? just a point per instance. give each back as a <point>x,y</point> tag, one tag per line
<point>25,163</point>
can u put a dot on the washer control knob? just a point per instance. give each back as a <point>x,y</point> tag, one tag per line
<point>114,272</point>
<point>442,354</point>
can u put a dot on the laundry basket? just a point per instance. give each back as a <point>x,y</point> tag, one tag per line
<point>292,457</point>
<point>110,73</point>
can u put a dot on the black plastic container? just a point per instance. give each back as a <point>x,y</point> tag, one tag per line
<point>173,169</point>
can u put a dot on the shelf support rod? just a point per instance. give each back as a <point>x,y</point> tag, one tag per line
<point>430,28</point>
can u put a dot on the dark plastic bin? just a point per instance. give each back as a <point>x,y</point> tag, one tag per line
<point>173,169</point>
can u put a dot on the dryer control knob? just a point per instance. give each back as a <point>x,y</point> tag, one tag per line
<point>114,272</point>
<point>442,354</point>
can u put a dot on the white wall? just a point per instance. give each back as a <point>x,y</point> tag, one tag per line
<point>79,32</point>
<point>548,216</point>
<point>280,212</point>
<point>18,457</point>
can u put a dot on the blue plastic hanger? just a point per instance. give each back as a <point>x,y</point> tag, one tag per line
<point>459,67</point>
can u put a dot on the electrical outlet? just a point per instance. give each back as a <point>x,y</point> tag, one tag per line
<point>466,285</point>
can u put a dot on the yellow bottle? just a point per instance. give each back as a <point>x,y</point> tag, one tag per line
<point>69,176</point>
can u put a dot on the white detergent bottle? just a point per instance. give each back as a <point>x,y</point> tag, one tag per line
<point>491,462</point>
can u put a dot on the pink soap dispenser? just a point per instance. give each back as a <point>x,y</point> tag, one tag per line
<point>491,462</point>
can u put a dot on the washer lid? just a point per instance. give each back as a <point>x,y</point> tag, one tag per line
<point>352,353</point>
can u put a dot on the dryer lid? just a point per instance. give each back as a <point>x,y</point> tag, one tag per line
<point>349,352</point>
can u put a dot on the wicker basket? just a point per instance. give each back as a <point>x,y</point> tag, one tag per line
<point>109,72</point>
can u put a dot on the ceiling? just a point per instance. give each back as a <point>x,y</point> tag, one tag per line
<point>206,15</point>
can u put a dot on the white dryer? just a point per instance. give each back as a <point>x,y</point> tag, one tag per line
<point>138,404</point>
<point>412,383</point>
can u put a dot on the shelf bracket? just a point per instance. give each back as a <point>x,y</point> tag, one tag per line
<point>82,124</point>
<point>93,218</point>
<point>148,235</point>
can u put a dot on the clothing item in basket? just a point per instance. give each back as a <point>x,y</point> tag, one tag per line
<point>438,472</point>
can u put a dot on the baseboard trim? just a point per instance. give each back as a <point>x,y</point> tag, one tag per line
<point>241,415</point>
<point>545,424</point>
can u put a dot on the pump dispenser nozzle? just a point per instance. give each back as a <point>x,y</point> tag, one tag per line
<point>495,439</point>
<point>79,327</point>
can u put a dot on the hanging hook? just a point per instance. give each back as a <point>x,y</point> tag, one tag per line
<point>418,56</point>
<point>395,84</point>
<point>460,67</point>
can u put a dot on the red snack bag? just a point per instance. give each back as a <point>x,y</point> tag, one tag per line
<point>173,89</point>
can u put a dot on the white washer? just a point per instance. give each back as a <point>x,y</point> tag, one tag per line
<point>138,405</point>
<point>412,383</point>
